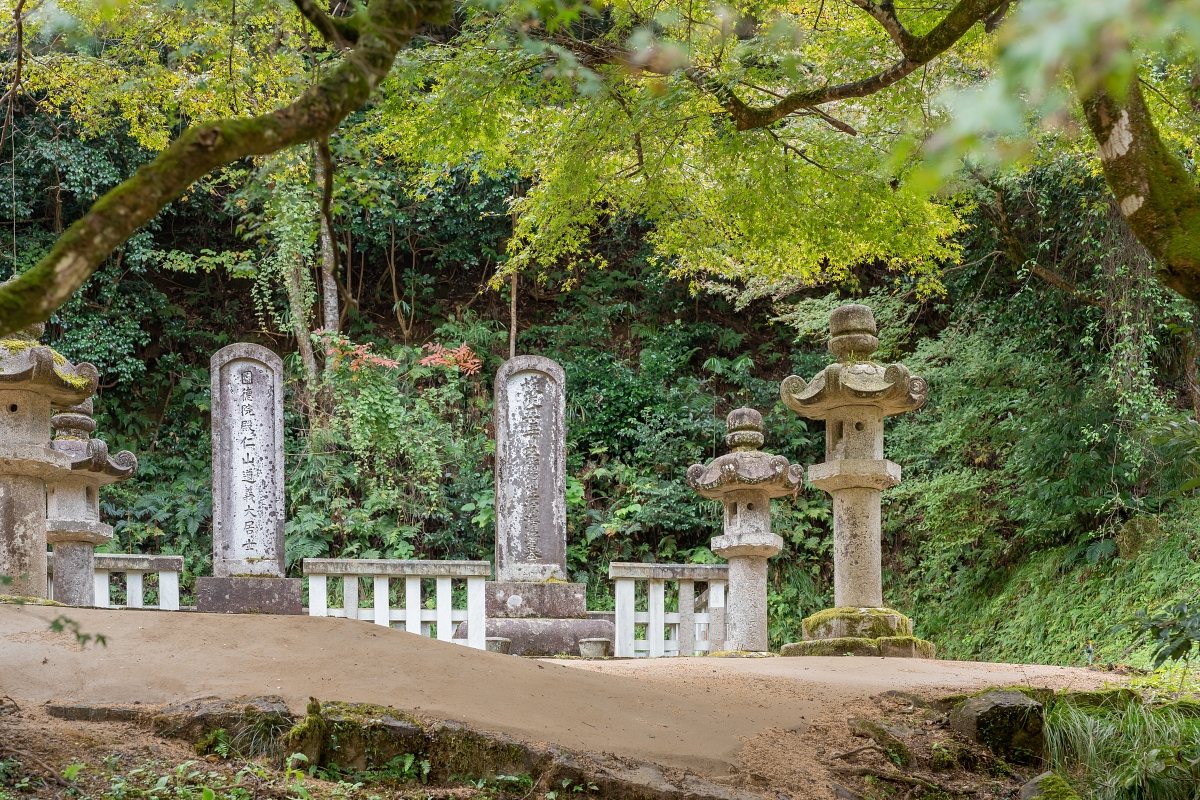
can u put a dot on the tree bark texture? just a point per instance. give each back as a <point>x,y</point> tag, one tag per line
<point>1153,190</point>
<point>376,35</point>
<point>330,316</point>
<point>297,309</point>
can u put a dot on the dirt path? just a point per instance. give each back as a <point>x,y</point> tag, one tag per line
<point>690,713</point>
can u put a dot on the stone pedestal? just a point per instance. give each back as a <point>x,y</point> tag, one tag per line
<point>854,396</point>
<point>745,481</point>
<point>523,599</point>
<point>249,595</point>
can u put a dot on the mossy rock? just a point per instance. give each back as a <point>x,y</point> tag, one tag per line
<point>308,736</point>
<point>851,622</point>
<point>895,749</point>
<point>22,600</point>
<point>1008,723</point>
<point>1048,786</point>
<point>844,646</point>
<point>946,755</point>
<point>906,647</point>
<point>1103,699</point>
<point>1184,707</point>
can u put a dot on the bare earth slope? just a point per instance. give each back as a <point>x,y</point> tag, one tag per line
<point>689,713</point>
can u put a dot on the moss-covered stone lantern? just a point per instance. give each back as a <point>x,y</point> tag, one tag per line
<point>32,379</point>
<point>853,396</point>
<point>745,480</point>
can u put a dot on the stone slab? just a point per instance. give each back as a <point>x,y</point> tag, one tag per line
<point>522,599</point>
<point>854,473</point>
<point>247,450</point>
<point>668,572</point>
<point>248,595</point>
<point>883,647</point>
<point>531,489</point>
<point>545,637</point>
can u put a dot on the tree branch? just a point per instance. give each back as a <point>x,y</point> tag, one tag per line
<point>915,52</point>
<point>1155,194</point>
<point>334,30</point>
<point>386,26</point>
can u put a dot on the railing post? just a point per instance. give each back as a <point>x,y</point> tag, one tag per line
<point>318,596</point>
<point>350,596</point>
<point>382,610</point>
<point>445,628</point>
<point>133,590</point>
<point>168,590</point>
<point>687,618</point>
<point>656,605</point>
<point>716,616</point>
<point>101,588</point>
<point>476,614</point>
<point>412,604</point>
<point>624,618</point>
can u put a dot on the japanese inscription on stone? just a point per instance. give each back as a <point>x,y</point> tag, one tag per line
<point>247,413</point>
<point>531,520</point>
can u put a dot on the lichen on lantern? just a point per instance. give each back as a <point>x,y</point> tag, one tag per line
<point>854,395</point>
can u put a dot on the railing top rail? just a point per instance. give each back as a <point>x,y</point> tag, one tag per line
<point>669,572</point>
<point>396,567</point>
<point>130,562</point>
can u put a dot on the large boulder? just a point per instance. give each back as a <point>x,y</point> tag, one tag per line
<point>1009,723</point>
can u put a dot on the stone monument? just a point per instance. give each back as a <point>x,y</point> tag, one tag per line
<point>33,378</point>
<point>745,480</point>
<point>531,602</point>
<point>853,396</point>
<point>73,525</point>
<point>248,515</point>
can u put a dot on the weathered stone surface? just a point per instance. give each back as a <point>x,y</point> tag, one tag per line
<point>906,647</point>
<point>854,396</point>
<point>195,719</point>
<point>668,572</point>
<point>531,489</point>
<point>1119,698</point>
<point>247,414</point>
<point>497,644</point>
<point>846,646</point>
<point>74,573</point>
<point>23,533</point>
<point>1047,786</point>
<point>744,481</point>
<point>869,623</point>
<point>96,713</point>
<point>594,648</point>
<point>1009,723</point>
<point>248,595</point>
<point>518,599</point>
<point>545,637</point>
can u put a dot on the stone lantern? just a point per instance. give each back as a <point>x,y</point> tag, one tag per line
<point>853,396</point>
<point>32,379</point>
<point>745,480</point>
<point>73,523</point>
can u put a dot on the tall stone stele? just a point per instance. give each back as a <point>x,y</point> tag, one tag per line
<point>853,396</point>
<point>248,516</point>
<point>745,480</point>
<point>531,602</point>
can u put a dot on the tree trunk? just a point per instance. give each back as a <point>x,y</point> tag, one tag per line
<point>1154,192</point>
<point>376,35</point>
<point>330,316</point>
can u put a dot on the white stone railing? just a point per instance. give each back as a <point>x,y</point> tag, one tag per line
<point>416,619</point>
<point>134,566</point>
<point>688,631</point>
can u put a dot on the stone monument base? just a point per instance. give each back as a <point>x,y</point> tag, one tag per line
<point>248,595</point>
<point>523,599</point>
<point>863,623</point>
<point>545,637</point>
<point>884,646</point>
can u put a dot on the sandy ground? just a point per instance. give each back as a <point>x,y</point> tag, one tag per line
<point>689,713</point>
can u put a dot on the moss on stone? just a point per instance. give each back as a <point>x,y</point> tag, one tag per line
<point>17,345</point>
<point>309,735</point>
<point>22,600</point>
<point>946,755</point>
<point>1052,787</point>
<point>866,623</point>
<point>1185,707</point>
<point>843,646</point>
<point>895,749</point>
<point>1106,699</point>
<point>906,647</point>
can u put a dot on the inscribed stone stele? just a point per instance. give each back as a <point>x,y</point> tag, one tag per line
<point>247,415</point>
<point>531,507</point>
